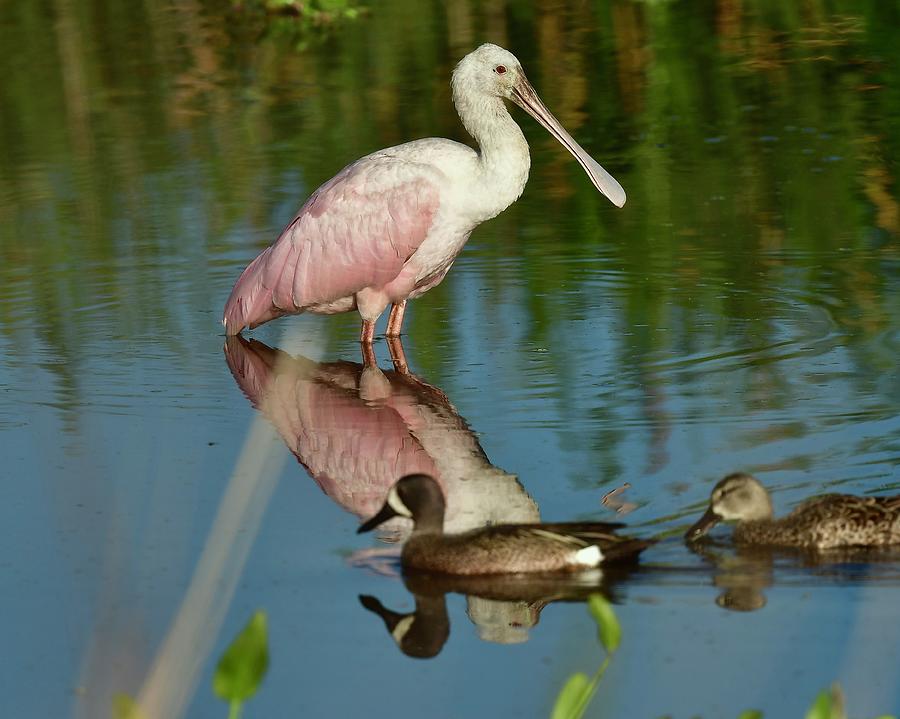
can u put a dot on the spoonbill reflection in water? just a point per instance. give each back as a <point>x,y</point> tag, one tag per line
<point>388,227</point>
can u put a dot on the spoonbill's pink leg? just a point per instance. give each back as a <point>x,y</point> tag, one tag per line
<point>398,356</point>
<point>395,319</point>
<point>368,355</point>
<point>367,333</point>
<point>398,359</point>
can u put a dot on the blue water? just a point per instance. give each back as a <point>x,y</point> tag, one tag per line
<point>740,313</point>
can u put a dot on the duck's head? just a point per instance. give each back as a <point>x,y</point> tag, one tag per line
<point>416,496</point>
<point>738,496</point>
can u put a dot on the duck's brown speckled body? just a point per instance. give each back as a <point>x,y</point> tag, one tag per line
<point>826,522</point>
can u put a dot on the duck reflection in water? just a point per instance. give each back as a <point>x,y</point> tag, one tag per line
<point>743,573</point>
<point>356,428</point>
<point>504,608</point>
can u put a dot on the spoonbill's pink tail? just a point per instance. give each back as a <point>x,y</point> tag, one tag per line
<point>252,299</point>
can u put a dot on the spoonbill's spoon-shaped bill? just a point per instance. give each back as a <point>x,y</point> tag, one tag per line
<point>525,97</point>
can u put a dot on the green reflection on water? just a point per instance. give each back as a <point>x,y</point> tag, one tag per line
<point>148,153</point>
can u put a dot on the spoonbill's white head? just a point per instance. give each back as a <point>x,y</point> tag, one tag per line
<point>492,72</point>
<point>489,70</point>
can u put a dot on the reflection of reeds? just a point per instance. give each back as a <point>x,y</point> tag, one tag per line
<point>172,678</point>
<point>645,84</point>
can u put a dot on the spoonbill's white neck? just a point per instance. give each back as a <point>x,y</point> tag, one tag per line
<point>480,80</point>
<point>503,151</point>
<point>487,119</point>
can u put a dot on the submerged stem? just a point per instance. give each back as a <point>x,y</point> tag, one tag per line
<point>595,681</point>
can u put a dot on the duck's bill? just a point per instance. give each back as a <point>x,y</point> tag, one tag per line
<point>384,515</point>
<point>703,525</point>
<point>525,97</point>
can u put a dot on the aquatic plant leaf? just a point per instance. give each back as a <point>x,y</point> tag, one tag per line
<point>125,707</point>
<point>244,663</point>
<point>829,704</point>
<point>609,630</point>
<point>573,697</point>
<point>821,707</point>
<point>751,714</point>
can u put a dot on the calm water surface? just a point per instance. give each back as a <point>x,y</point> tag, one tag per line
<point>741,312</point>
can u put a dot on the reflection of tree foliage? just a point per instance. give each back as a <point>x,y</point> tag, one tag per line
<point>161,145</point>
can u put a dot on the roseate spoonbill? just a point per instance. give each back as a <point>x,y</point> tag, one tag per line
<point>387,228</point>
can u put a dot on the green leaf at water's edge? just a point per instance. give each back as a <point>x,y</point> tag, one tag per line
<point>829,704</point>
<point>821,707</point>
<point>609,630</point>
<point>751,714</point>
<point>125,707</point>
<point>572,698</point>
<point>244,663</point>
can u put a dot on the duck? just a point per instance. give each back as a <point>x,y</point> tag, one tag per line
<point>826,522</point>
<point>497,549</point>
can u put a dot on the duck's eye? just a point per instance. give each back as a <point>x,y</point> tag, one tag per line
<point>500,69</point>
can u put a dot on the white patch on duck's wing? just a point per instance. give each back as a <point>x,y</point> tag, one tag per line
<point>589,556</point>
<point>402,628</point>
<point>396,503</point>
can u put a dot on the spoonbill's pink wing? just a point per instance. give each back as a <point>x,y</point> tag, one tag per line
<point>356,231</point>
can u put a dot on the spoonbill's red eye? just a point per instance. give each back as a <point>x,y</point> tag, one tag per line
<point>500,69</point>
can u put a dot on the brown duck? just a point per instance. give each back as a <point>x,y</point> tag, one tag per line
<point>833,520</point>
<point>500,548</point>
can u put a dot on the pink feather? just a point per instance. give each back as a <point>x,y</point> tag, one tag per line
<point>357,231</point>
